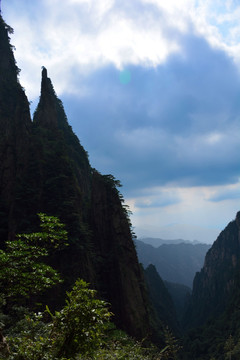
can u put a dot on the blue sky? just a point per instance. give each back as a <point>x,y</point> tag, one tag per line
<point>153,92</point>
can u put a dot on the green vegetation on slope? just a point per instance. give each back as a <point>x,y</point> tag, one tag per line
<point>80,330</point>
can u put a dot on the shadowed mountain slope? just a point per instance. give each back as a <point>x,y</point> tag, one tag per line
<point>176,263</point>
<point>216,284</point>
<point>44,168</point>
<point>213,317</point>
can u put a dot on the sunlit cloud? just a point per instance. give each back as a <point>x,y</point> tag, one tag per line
<point>86,34</point>
<point>158,81</point>
<point>228,192</point>
<point>156,198</point>
<point>112,34</point>
<point>197,215</point>
<point>218,22</point>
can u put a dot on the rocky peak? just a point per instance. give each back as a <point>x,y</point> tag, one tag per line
<point>89,204</point>
<point>47,90</point>
<point>50,115</point>
<point>238,219</point>
<point>44,168</point>
<point>52,130</point>
<point>49,110</point>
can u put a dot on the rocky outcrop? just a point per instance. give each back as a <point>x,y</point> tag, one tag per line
<point>215,285</point>
<point>44,168</point>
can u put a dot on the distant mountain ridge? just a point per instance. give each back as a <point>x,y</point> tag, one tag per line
<point>175,262</point>
<point>156,242</point>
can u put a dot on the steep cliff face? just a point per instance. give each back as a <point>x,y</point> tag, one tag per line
<point>15,124</point>
<point>213,316</point>
<point>117,266</point>
<point>61,179</point>
<point>45,168</point>
<point>215,285</point>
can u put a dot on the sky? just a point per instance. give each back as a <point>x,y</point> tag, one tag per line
<point>152,90</point>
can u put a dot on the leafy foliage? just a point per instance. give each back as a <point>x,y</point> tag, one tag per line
<point>77,331</point>
<point>22,270</point>
<point>30,340</point>
<point>36,343</point>
<point>52,237</point>
<point>172,348</point>
<point>120,346</point>
<point>22,273</point>
<point>78,328</point>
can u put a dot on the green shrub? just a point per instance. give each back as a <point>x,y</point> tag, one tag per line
<point>78,328</point>
<point>22,270</point>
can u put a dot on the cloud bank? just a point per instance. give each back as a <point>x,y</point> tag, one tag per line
<point>88,34</point>
<point>174,124</point>
<point>152,90</point>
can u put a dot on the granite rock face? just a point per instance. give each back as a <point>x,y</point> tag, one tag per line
<point>44,168</point>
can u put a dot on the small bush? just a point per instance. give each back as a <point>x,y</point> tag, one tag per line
<point>78,328</point>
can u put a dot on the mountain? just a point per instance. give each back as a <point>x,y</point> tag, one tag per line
<point>44,168</point>
<point>156,242</point>
<point>15,128</point>
<point>176,263</point>
<point>213,311</point>
<point>162,304</point>
<point>216,284</point>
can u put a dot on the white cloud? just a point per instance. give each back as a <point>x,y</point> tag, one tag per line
<point>85,34</point>
<point>177,12</point>
<point>212,148</point>
<point>226,193</point>
<point>74,37</point>
<point>215,20</point>
<point>214,138</point>
<point>218,22</point>
<point>183,218</point>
